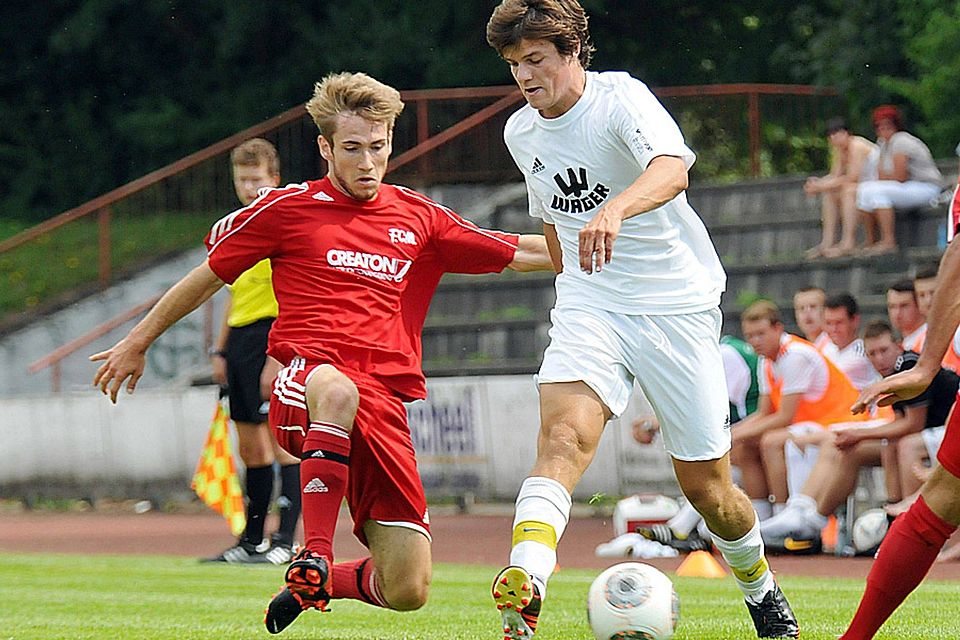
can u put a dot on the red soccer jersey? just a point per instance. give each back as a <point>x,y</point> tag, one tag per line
<point>354,279</point>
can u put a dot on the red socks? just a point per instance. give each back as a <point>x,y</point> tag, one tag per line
<point>357,580</point>
<point>905,557</point>
<point>324,468</point>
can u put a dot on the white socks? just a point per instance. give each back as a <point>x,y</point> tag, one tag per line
<point>685,521</point>
<point>542,512</point>
<point>747,562</point>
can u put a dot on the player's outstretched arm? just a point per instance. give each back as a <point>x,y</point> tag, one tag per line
<point>662,181</point>
<point>532,254</point>
<point>944,317</point>
<point>126,358</point>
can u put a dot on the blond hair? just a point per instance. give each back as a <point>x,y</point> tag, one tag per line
<point>355,93</point>
<point>561,22</point>
<point>761,310</point>
<point>253,153</point>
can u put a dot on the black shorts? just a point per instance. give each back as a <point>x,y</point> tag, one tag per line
<point>246,354</point>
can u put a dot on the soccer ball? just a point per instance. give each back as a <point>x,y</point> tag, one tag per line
<point>869,530</point>
<point>632,601</point>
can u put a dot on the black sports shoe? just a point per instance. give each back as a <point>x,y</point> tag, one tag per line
<point>308,584</point>
<point>663,534</point>
<point>241,553</point>
<point>773,617</point>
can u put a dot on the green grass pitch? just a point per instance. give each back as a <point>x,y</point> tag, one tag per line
<point>162,598</point>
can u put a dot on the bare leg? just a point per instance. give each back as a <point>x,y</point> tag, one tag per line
<point>709,488</point>
<point>403,564</point>
<point>888,239</point>
<point>846,467</point>
<point>911,451</point>
<point>890,459</point>
<point>829,210</point>
<point>775,463</point>
<point>850,218</point>
<point>869,227</point>
<point>746,455</point>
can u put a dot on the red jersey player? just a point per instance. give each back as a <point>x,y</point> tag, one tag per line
<point>355,263</point>
<point>916,536</point>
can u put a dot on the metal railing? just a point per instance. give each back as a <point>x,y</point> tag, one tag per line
<point>445,135</point>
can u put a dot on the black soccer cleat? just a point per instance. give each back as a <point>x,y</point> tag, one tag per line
<point>241,553</point>
<point>773,617</point>
<point>663,534</point>
<point>308,587</point>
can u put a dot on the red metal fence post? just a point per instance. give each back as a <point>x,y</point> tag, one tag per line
<point>423,133</point>
<point>753,116</point>
<point>103,226</point>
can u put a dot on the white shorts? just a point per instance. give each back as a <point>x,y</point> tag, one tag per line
<point>891,194</point>
<point>932,439</point>
<point>674,358</point>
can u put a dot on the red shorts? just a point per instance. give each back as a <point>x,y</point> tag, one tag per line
<point>384,483</point>
<point>949,454</point>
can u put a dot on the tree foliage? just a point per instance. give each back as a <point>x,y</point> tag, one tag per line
<point>99,92</point>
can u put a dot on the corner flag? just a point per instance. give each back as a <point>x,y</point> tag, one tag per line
<point>215,479</point>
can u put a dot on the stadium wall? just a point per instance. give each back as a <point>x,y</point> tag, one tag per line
<point>475,437</point>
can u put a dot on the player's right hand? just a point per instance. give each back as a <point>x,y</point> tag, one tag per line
<point>900,386</point>
<point>121,361</point>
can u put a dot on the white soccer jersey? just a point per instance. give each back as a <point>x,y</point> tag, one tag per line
<point>802,369</point>
<point>853,361</point>
<point>663,261</point>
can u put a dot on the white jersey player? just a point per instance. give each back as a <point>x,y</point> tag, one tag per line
<point>637,299</point>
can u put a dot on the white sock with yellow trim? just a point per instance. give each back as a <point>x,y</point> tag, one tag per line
<point>747,563</point>
<point>542,512</point>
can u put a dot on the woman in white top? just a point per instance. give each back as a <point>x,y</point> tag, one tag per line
<point>907,178</point>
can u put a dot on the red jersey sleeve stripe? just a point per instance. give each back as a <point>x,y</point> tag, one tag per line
<point>223,228</point>
<point>466,224</point>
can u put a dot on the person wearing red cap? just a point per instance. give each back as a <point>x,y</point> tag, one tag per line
<point>907,177</point>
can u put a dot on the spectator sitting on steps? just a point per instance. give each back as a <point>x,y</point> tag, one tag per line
<point>848,165</point>
<point>907,178</point>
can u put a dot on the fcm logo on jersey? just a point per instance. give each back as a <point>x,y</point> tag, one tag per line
<point>402,236</point>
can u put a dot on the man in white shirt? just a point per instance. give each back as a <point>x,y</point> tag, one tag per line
<point>638,290</point>
<point>808,312</point>
<point>841,315</point>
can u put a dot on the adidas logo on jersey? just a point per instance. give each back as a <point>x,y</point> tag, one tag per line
<point>315,486</point>
<point>322,197</point>
<point>537,166</point>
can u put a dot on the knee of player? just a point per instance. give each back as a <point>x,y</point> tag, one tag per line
<point>332,396</point>
<point>564,439</point>
<point>408,595</point>
<point>771,442</point>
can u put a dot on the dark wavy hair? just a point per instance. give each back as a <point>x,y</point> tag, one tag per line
<point>562,22</point>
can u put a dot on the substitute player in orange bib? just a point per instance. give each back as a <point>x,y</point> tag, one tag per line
<point>355,264</point>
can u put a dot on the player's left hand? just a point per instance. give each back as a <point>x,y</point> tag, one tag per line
<point>123,360</point>
<point>596,239</point>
